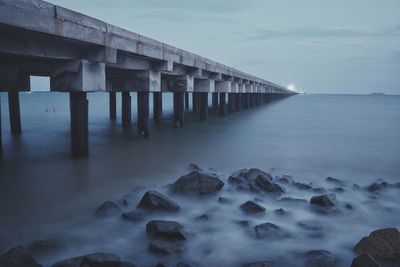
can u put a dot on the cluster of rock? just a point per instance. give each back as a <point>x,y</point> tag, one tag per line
<point>169,237</point>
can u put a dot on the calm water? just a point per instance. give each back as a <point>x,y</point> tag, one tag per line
<point>45,194</point>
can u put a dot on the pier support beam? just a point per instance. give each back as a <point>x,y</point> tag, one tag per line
<point>195,101</point>
<point>157,105</point>
<point>246,100</point>
<point>237,102</point>
<point>143,113</point>
<point>222,104</point>
<point>186,101</point>
<point>126,110</point>
<point>113,105</point>
<point>179,109</point>
<point>231,103</point>
<point>79,107</point>
<point>203,101</point>
<point>215,100</point>
<point>14,112</point>
<point>1,133</point>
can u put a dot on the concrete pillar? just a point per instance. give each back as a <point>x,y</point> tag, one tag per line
<point>79,107</point>
<point>1,133</point>
<point>246,100</point>
<point>179,109</point>
<point>222,104</point>
<point>237,102</point>
<point>186,101</point>
<point>195,101</point>
<point>215,100</point>
<point>143,113</point>
<point>14,112</point>
<point>113,105</point>
<point>126,110</point>
<point>203,101</point>
<point>231,103</point>
<point>157,105</point>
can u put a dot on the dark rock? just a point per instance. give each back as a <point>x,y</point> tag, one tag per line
<point>243,223</point>
<point>251,207</point>
<point>44,246</point>
<point>163,246</point>
<point>267,185</point>
<point>160,264</point>
<point>258,264</point>
<point>269,230</point>
<point>291,200</point>
<point>194,167</point>
<point>326,201</point>
<point>348,206</point>
<point>337,189</point>
<point>18,257</point>
<point>108,208</point>
<point>71,262</point>
<point>281,212</point>
<point>101,260</point>
<point>154,201</point>
<point>183,264</point>
<point>320,258</point>
<point>284,179</point>
<point>166,229</point>
<point>203,217</point>
<point>382,243</point>
<point>255,180</point>
<point>252,174</point>
<point>198,183</point>
<point>396,185</point>
<point>364,260</point>
<point>225,200</point>
<point>334,181</point>
<point>378,186</point>
<point>311,225</point>
<point>302,186</point>
<point>133,216</point>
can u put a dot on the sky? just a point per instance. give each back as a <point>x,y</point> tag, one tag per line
<point>319,46</point>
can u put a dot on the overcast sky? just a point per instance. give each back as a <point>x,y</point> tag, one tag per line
<point>341,46</point>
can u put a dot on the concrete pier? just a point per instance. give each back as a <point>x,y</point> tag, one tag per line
<point>113,105</point>
<point>14,112</point>
<point>143,113</point>
<point>79,113</point>
<point>203,106</point>
<point>81,55</point>
<point>126,110</point>
<point>179,109</point>
<point>157,105</point>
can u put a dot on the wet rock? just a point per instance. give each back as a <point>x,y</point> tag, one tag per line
<point>71,262</point>
<point>284,179</point>
<point>255,180</point>
<point>251,207</point>
<point>364,260</point>
<point>107,209</point>
<point>203,217</point>
<point>302,186</point>
<point>101,260</point>
<point>378,186</point>
<point>133,216</point>
<point>166,229</point>
<point>334,181</point>
<point>243,223</point>
<point>325,201</point>
<point>348,206</point>
<point>167,247</point>
<point>18,257</point>
<point>183,264</point>
<point>267,185</point>
<point>194,167</point>
<point>311,225</point>
<point>160,264</point>
<point>281,212</point>
<point>225,200</point>
<point>291,200</point>
<point>337,190</point>
<point>258,264</point>
<point>44,246</point>
<point>198,183</point>
<point>382,243</point>
<point>320,258</point>
<point>270,231</point>
<point>154,201</point>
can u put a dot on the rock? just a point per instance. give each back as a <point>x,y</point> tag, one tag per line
<point>71,262</point>
<point>203,217</point>
<point>255,180</point>
<point>133,216</point>
<point>183,264</point>
<point>379,186</point>
<point>364,260</point>
<point>356,187</point>
<point>267,185</point>
<point>302,186</point>
<point>198,183</point>
<point>253,174</point>
<point>243,223</point>
<point>225,200</point>
<point>18,257</point>
<point>154,201</point>
<point>101,260</point>
<point>396,185</point>
<point>325,201</point>
<point>107,209</point>
<point>269,230</point>
<point>166,229</point>
<point>319,190</point>
<point>320,258</point>
<point>382,243</point>
<point>251,207</point>
<point>281,212</point>
<point>334,181</point>
<point>44,246</point>
<point>167,247</point>
<point>337,190</point>
<point>258,264</point>
<point>311,225</point>
<point>284,179</point>
<point>194,167</point>
<point>160,264</point>
<point>291,200</point>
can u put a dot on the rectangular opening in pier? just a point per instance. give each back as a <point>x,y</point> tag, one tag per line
<point>40,83</point>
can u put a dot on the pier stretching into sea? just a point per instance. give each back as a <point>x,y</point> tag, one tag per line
<point>81,54</point>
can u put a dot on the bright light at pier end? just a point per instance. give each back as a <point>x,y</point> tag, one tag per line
<point>291,87</point>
